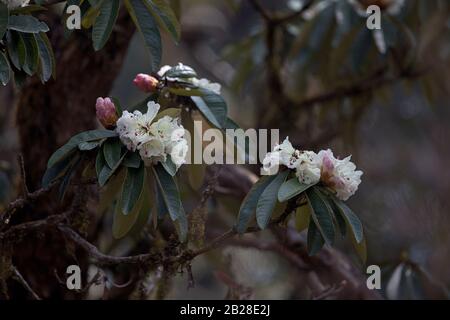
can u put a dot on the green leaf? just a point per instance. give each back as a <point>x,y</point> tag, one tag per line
<point>46,57</point>
<point>165,16</point>
<point>112,151</point>
<point>135,225</point>
<point>123,223</point>
<point>118,106</point>
<point>32,54</point>
<point>91,14</point>
<point>104,23</point>
<point>169,166</point>
<point>67,176</point>
<point>337,215</point>
<point>180,71</point>
<point>5,71</point>
<point>110,192</point>
<point>268,200</point>
<point>361,249</point>
<point>292,188</point>
<point>302,217</point>
<point>132,160</point>
<point>171,197</point>
<point>352,219</point>
<point>104,174</point>
<point>29,8</point>
<point>132,188</point>
<point>161,208</point>
<point>169,191</point>
<point>73,143</point>
<point>185,92</point>
<point>171,112</point>
<point>4,19</point>
<point>315,240</point>
<point>147,27</point>
<point>27,24</point>
<point>88,145</point>
<point>248,206</point>
<point>56,171</point>
<point>16,49</point>
<point>213,107</point>
<point>321,215</point>
<point>104,171</point>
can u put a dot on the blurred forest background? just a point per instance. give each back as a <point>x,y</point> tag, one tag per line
<point>324,80</point>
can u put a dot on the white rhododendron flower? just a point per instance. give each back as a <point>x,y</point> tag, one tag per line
<point>206,84</point>
<point>14,4</point>
<point>163,70</point>
<point>340,175</point>
<point>153,139</point>
<point>271,163</point>
<point>287,153</point>
<point>134,128</point>
<point>282,154</point>
<point>311,168</point>
<point>308,167</point>
<point>200,83</point>
<point>179,152</point>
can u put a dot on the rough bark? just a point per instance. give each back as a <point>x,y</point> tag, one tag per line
<point>47,116</point>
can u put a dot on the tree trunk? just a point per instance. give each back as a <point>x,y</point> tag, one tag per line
<point>47,116</point>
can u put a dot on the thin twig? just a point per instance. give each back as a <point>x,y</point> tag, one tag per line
<point>103,259</point>
<point>191,281</point>
<point>213,244</point>
<point>261,10</point>
<point>18,276</point>
<point>293,15</point>
<point>25,190</point>
<point>331,291</point>
<point>26,227</point>
<point>21,202</point>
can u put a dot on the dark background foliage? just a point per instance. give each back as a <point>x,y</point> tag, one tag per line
<point>324,83</point>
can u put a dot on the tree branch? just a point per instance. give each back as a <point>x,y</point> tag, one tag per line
<point>20,203</point>
<point>18,276</point>
<point>107,260</point>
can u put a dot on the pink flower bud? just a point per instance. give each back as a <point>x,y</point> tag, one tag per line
<point>327,165</point>
<point>146,82</point>
<point>327,170</point>
<point>106,112</point>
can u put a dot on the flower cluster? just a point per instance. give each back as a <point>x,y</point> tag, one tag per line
<point>148,83</point>
<point>154,138</point>
<point>311,167</point>
<point>14,4</point>
<point>200,83</point>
